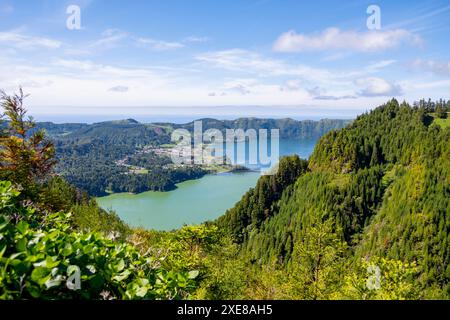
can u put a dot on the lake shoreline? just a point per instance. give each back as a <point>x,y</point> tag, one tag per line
<point>193,201</point>
<point>241,169</point>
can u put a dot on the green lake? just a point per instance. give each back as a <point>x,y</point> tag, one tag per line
<point>194,201</point>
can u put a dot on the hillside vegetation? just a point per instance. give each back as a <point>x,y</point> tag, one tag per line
<point>378,189</point>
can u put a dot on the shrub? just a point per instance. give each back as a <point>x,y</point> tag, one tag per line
<point>45,258</point>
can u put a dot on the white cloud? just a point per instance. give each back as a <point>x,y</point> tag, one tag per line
<point>61,84</point>
<point>239,60</point>
<point>334,38</point>
<point>419,84</point>
<point>109,38</point>
<point>292,85</point>
<point>77,65</point>
<point>240,86</point>
<point>119,89</point>
<point>339,85</point>
<point>377,66</point>
<point>89,69</point>
<point>18,40</point>
<point>421,19</point>
<point>112,38</point>
<point>378,87</point>
<point>437,67</point>
<point>249,62</point>
<point>195,39</point>
<point>335,98</point>
<point>158,45</point>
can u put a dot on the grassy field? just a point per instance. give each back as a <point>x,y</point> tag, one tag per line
<point>139,171</point>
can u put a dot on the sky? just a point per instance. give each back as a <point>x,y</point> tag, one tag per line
<point>216,57</point>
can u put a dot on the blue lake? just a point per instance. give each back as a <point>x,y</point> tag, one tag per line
<point>194,201</point>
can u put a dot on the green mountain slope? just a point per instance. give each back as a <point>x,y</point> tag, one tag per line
<point>382,185</point>
<point>289,128</point>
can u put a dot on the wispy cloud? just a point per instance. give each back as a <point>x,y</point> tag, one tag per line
<point>18,40</point>
<point>379,65</point>
<point>441,68</point>
<point>158,45</point>
<point>423,20</point>
<point>240,86</point>
<point>120,89</point>
<point>194,39</point>
<point>422,85</point>
<point>89,69</point>
<point>326,84</point>
<point>335,98</point>
<point>249,62</point>
<point>246,61</point>
<point>336,39</point>
<point>109,38</point>
<point>113,38</point>
<point>295,85</point>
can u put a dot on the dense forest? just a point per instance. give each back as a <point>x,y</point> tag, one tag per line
<point>378,189</point>
<point>289,128</point>
<point>366,217</point>
<point>119,156</point>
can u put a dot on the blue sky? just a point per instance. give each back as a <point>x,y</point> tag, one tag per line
<point>286,57</point>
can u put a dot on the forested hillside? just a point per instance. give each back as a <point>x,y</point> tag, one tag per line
<point>379,188</point>
<point>289,128</point>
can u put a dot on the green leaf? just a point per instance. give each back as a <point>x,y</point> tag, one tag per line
<point>120,265</point>
<point>40,275</point>
<point>22,227</point>
<point>21,267</point>
<point>122,276</point>
<point>22,244</point>
<point>51,262</point>
<point>97,282</point>
<point>68,250</point>
<point>141,292</point>
<point>53,282</point>
<point>53,235</point>
<point>193,274</point>
<point>34,291</point>
<point>4,222</point>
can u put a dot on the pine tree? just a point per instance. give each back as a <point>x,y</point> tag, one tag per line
<point>318,258</point>
<point>440,112</point>
<point>26,156</point>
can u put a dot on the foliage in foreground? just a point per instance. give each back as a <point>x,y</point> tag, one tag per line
<point>42,258</point>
